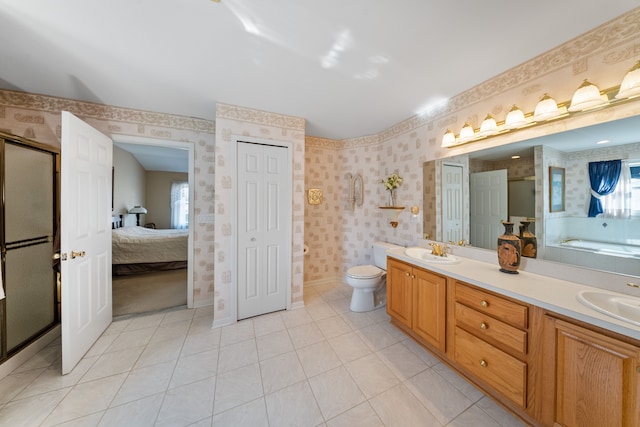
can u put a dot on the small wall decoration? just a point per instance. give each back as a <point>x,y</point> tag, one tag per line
<point>556,189</point>
<point>314,195</point>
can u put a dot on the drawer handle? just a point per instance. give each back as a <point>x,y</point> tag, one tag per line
<point>483,363</point>
<point>483,326</point>
<point>484,303</point>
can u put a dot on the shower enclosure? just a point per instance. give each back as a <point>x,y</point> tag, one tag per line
<point>28,213</point>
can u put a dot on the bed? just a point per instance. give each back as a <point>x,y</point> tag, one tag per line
<point>138,250</point>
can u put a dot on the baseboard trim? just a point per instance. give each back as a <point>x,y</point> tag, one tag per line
<point>297,305</point>
<point>323,281</point>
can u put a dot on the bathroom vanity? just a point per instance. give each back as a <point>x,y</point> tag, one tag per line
<point>523,339</point>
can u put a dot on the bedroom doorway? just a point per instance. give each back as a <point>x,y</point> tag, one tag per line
<point>264,216</point>
<point>162,162</point>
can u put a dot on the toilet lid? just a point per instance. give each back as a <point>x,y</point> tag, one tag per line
<point>364,271</point>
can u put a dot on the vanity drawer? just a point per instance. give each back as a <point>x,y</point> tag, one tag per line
<point>486,327</point>
<point>500,308</point>
<point>504,373</point>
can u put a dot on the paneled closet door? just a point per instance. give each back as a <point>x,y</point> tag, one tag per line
<point>29,205</point>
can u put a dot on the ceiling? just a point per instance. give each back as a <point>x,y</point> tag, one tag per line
<point>350,68</point>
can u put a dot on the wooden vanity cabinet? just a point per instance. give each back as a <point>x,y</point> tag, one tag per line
<point>416,300</point>
<point>490,340</point>
<point>593,378</point>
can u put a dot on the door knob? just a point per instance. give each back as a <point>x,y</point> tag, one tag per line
<point>75,254</point>
<point>253,239</point>
<point>61,257</point>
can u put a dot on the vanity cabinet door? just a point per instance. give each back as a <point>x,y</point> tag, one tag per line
<point>399,291</point>
<point>597,378</point>
<point>429,307</point>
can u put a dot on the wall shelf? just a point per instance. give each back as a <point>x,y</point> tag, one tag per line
<point>392,214</point>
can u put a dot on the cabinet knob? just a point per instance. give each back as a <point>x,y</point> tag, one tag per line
<point>413,276</point>
<point>483,326</point>
<point>483,363</point>
<point>484,303</point>
<point>407,274</point>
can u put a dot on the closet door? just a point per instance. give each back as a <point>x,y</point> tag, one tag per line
<point>29,204</point>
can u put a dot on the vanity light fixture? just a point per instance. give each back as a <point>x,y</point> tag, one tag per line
<point>515,118</point>
<point>630,86</point>
<point>547,109</point>
<point>587,96</point>
<point>449,139</point>
<point>488,126</point>
<point>466,133</point>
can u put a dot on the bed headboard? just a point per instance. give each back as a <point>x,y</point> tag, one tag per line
<point>117,221</point>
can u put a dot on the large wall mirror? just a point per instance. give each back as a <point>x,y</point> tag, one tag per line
<point>466,197</point>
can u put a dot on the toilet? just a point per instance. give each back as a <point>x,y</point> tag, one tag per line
<point>369,281</point>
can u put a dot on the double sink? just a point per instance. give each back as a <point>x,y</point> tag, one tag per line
<point>622,307</point>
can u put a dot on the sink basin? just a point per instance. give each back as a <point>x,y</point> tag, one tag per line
<point>424,254</point>
<point>623,307</point>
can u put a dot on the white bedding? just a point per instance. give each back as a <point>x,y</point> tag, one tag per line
<point>134,245</point>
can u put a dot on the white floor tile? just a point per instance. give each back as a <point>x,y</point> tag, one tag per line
<point>293,406</point>
<point>172,368</point>
<point>281,371</point>
<point>144,382</point>
<point>305,335</point>
<point>335,392</point>
<point>318,358</point>
<point>371,375</point>
<point>273,344</point>
<point>402,362</point>
<point>187,404</point>
<point>349,347</point>
<point>194,368</point>
<point>439,396</point>
<point>252,414</point>
<point>138,413</point>
<point>362,415</point>
<point>31,411</point>
<point>85,399</point>
<point>398,407</point>
<point>235,388</point>
<point>237,355</point>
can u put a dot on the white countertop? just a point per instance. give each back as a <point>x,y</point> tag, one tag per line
<point>552,294</point>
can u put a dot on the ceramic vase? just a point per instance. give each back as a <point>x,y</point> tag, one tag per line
<point>509,250</point>
<point>528,241</point>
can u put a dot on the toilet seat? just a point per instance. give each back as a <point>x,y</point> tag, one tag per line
<point>364,272</point>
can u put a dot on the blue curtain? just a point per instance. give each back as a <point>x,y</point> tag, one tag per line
<point>604,178</point>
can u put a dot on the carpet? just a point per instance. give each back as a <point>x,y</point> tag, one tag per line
<point>142,293</point>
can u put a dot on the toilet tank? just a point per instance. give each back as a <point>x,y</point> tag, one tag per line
<point>379,253</point>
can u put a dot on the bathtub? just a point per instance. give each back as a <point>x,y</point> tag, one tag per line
<point>605,248</point>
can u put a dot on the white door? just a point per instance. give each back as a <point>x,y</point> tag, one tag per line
<point>487,207</point>
<point>264,228</point>
<point>85,237</point>
<point>452,176</point>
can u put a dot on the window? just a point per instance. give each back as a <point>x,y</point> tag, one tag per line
<point>635,188</point>
<point>624,201</point>
<point>179,204</point>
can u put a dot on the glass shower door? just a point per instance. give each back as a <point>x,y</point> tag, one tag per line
<point>29,205</point>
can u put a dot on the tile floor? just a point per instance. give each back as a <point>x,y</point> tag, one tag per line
<point>320,365</point>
